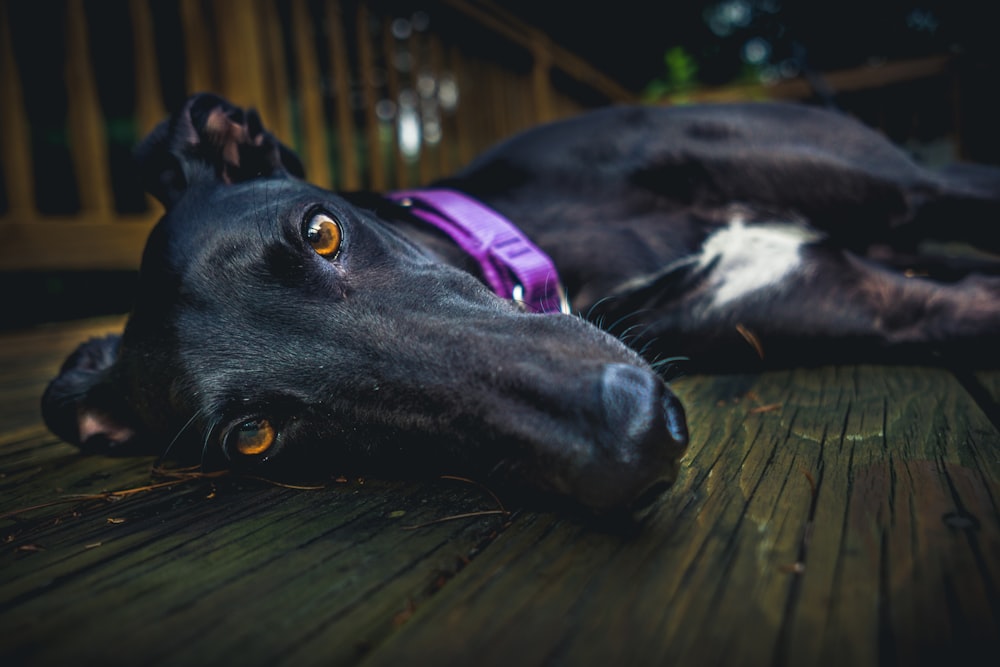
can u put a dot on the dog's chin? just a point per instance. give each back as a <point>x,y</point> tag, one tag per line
<point>625,520</point>
<point>615,451</point>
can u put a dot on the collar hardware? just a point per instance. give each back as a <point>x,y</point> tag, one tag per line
<point>512,266</point>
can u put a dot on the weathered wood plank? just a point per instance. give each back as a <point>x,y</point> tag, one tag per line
<point>834,516</point>
<point>742,563</point>
<point>29,359</point>
<point>349,177</point>
<point>465,135</point>
<point>15,150</point>
<point>241,65</point>
<point>87,136</point>
<point>394,90</point>
<point>890,505</point>
<point>315,153</point>
<point>445,163</point>
<point>377,179</point>
<point>503,23</point>
<point>200,71</point>
<point>149,107</point>
<point>81,243</point>
<point>214,570</point>
<point>541,69</point>
<point>276,111</point>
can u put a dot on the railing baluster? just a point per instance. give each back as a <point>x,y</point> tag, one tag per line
<point>402,172</point>
<point>350,174</point>
<point>238,53</point>
<point>376,163</point>
<point>87,134</point>
<point>198,54</point>
<point>149,108</point>
<point>275,107</point>
<point>15,149</point>
<point>314,144</point>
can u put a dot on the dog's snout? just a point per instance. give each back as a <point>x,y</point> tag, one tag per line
<point>638,434</point>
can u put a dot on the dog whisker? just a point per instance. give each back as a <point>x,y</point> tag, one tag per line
<point>596,304</point>
<point>177,436</point>
<point>624,335</point>
<point>207,440</point>
<point>670,368</point>
<point>648,344</point>
<point>624,318</point>
<point>261,213</point>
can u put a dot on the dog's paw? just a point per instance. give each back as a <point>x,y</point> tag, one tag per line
<point>80,405</point>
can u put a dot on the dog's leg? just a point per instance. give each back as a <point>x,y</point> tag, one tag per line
<point>799,302</point>
<point>951,231</point>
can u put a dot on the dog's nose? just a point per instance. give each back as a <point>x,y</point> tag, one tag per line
<point>638,406</point>
<point>639,434</point>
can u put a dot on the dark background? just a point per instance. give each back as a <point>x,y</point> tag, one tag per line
<point>628,39</point>
<point>625,39</point>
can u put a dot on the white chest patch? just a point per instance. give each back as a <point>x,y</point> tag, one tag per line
<point>751,257</point>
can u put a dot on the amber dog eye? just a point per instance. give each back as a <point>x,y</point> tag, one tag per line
<point>254,437</point>
<point>323,234</point>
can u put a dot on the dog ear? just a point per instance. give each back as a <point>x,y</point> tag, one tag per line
<point>210,138</point>
<point>82,406</point>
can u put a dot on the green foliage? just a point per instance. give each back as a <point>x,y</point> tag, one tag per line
<point>680,75</point>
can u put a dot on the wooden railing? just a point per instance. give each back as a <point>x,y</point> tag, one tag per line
<point>346,83</point>
<point>337,79</point>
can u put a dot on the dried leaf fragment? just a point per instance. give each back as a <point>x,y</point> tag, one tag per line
<point>751,338</point>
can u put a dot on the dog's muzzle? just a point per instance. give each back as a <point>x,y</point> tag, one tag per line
<point>637,441</point>
<point>618,437</point>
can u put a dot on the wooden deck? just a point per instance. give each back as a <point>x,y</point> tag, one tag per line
<point>837,516</point>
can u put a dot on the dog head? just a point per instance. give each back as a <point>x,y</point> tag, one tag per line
<point>282,328</point>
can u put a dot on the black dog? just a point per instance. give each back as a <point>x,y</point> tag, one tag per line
<point>283,327</point>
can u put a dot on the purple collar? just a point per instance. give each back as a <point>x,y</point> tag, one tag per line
<point>513,266</point>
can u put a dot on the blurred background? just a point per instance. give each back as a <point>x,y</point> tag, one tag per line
<point>377,94</point>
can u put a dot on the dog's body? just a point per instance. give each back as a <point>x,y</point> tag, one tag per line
<point>280,324</point>
<point>683,222</point>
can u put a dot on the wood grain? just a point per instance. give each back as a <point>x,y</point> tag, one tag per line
<point>206,571</point>
<point>87,137</point>
<point>841,515</point>
<point>891,560</point>
<point>15,151</point>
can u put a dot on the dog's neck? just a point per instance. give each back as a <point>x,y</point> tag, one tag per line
<point>510,264</point>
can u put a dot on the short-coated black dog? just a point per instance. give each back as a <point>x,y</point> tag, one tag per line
<point>281,327</point>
